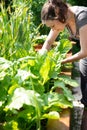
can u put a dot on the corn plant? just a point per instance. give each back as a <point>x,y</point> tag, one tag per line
<point>16,29</point>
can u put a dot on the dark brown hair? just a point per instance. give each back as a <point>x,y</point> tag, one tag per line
<point>49,10</point>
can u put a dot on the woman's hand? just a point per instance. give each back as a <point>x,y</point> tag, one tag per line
<point>42,51</point>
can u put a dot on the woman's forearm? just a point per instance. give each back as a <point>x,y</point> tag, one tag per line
<point>50,39</point>
<point>75,57</point>
<point>46,45</point>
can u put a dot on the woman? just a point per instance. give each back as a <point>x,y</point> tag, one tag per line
<point>57,15</point>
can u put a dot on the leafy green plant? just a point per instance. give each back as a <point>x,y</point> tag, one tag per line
<point>27,94</point>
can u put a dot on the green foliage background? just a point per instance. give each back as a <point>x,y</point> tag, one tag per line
<point>19,24</point>
<point>77,2</point>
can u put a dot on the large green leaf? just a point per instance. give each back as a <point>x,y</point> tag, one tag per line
<point>22,96</point>
<point>22,75</point>
<point>66,91</point>
<point>64,46</point>
<point>67,80</point>
<point>55,99</point>
<point>27,113</point>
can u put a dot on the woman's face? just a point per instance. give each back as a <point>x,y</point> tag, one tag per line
<point>54,24</point>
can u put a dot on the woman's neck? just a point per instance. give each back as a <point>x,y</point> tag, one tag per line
<point>70,17</point>
<point>71,21</point>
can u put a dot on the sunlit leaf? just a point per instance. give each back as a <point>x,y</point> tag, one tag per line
<point>64,46</point>
<point>4,64</point>
<point>23,75</point>
<point>52,115</point>
<point>22,96</point>
<point>44,71</point>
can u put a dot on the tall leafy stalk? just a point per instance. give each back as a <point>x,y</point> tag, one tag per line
<point>38,112</point>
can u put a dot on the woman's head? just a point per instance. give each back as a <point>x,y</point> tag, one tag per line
<point>55,1</point>
<point>54,10</point>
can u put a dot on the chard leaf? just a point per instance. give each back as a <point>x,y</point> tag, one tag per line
<point>4,64</point>
<point>52,115</point>
<point>3,94</point>
<point>22,96</point>
<point>67,80</point>
<point>26,58</point>
<point>2,75</point>
<point>27,113</point>
<point>58,83</point>
<point>64,46</point>
<point>22,75</point>
<point>67,93</point>
<point>55,99</point>
<point>12,88</point>
<point>44,71</point>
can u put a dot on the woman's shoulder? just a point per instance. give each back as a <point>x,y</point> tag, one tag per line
<point>80,15</point>
<point>77,10</point>
<point>73,8</point>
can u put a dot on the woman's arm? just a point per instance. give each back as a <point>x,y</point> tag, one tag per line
<point>50,39</point>
<point>83,43</point>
